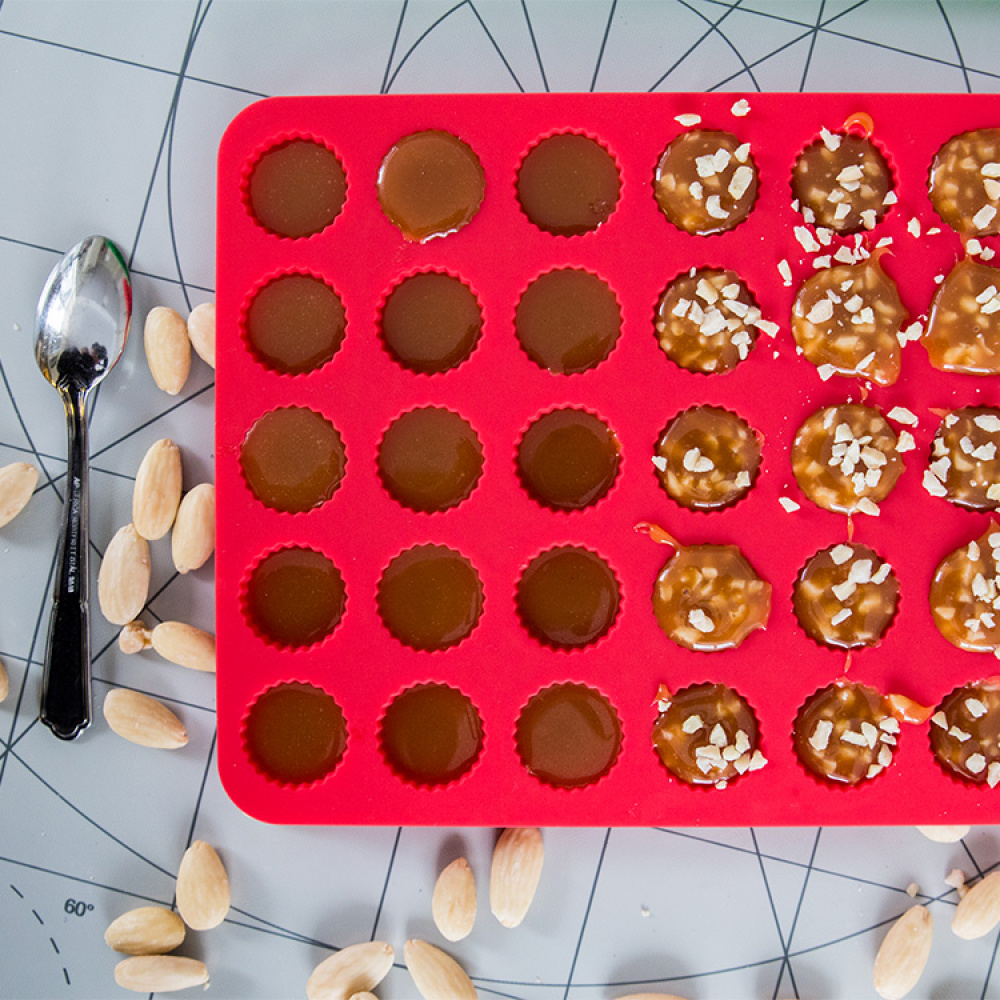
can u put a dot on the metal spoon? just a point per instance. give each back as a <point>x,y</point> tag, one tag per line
<point>82,325</point>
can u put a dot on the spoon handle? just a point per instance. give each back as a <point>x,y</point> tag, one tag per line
<point>66,680</point>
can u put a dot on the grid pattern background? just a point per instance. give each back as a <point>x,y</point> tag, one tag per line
<point>110,113</point>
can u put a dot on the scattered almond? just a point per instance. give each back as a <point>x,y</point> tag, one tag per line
<point>903,954</point>
<point>134,637</point>
<point>160,973</point>
<point>454,904</point>
<point>140,719</point>
<point>147,930</point>
<point>157,490</point>
<point>17,483</point>
<point>123,580</point>
<point>201,331</point>
<point>978,912</point>
<point>517,866</point>
<point>350,972</point>
<point>944,834</point>
<point>437,976</point>
<point>193,539</point>
<point>168,349</point>
<point>185,645</point>
<point>202,887</point>
<point>4,682</point>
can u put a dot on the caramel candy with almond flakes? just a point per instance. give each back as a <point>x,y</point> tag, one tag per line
<point>963,330</point>
<point>964,184</point>
<point>965,732</point>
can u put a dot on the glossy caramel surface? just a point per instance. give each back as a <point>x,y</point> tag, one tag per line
<point>963,328</point>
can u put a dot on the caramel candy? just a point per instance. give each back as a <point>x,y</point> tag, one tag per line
<point>707,734</point>
<point>707,321</point>
<point>568,184</point>
<point>295,733</point>
<point>430,597</point>
<point>706,182</point>
<point>841,182</point>
<point>963,330</point>
<point>431,322</point>
<point>964,183</point>
<point>430,459</point>
<point>295,596</point>
<point>845,458</point>
<point>568,735</point>
<point>295,324</point>
<point>568,459</point>
<point>965,595</point>
<point>568,597</point>
<point>297,188</point>
<point>708,597</point>
<point>845,596</point>
<point>707,458</point>
<point>292,459</point>
<point>568,321</point>
<point>846,733</point>
<point>965,732</point>
<point>430,184</point>
<point>846,319</point>
<point>431,734</point>
<point>964,466</point>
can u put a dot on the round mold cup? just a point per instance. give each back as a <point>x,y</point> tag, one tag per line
<point>702,715</point>
<point>568,320</point>
<point>300,301</point>
<point>966,725</point>
<point>293,597</point>
<point>431,735</point>
<point>821,154</point>
<point>430,459</point>
<point>695,445</point>
<point>430,322</point>
<point>293,459</point>
<point>568,736</point>
<point>685,185</point>
<point>567,459</point>
<point>962,148</point>
<point>294,734</point>
<point>430,597</point>
<point>430,184</point>
<point>295,186</point>
<point>819,601</point>
<point>568,183</point>
<point>694,309</point>
<point>568,597</point>
<point>870,760</point>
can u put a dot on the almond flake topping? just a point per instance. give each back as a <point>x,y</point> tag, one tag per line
<point>687,120</point>
<point>699,620</point>
<point>741,108</point>
<point>790,505</point>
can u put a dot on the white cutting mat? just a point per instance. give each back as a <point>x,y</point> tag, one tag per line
<point>110,112</point>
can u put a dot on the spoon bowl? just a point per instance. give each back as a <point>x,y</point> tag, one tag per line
<point>82,324</point>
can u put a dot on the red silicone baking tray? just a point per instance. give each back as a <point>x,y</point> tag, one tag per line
<point>636,390</point>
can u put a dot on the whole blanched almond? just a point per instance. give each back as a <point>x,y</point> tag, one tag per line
<point>202,887</point>
<point>350,972</point>
<point>168,349</point>
<point>17,483</point>
<point>514,875</point>
<point>193,539</point>
<point>160,973</point>
<point>454,903</point>
<point>945,834</point>
<point>140,719</point>
<point>147,930</point>
<point>437,976</point>
<point>157,490</point>
<point>123,580</point>
<point>903,954</point>
<point>134,637</point>
<point>978,912</point>
<point>185,645</point>
<point>201,330</point>
<point>363,995</point>
<point>4,682</point>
